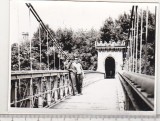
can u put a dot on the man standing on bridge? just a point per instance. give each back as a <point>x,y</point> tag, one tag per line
<point>79,75</point>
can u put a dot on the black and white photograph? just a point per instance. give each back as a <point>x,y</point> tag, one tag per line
<point>82,56</point>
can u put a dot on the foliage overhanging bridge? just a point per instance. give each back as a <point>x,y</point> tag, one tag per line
<point>130,89</point>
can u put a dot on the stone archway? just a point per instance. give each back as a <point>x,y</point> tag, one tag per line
<point>110,56</point>
<point>110,67</point>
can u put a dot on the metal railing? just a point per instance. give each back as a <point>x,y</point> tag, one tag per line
<point>140,90</point>
<point>39,89</point>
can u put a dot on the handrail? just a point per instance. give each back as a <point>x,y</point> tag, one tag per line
<point>38,89</point>
<point>33,74</point>
<point>144,81</point>
<point>141,85</point>
<point>91,71</point>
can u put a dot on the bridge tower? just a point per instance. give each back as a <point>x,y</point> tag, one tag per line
<point>110,57</point>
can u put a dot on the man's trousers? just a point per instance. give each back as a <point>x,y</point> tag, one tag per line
<point>79,82</point>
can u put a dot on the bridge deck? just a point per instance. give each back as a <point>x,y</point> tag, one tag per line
<point>105,94</point>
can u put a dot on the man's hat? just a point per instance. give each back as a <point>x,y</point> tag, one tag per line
<point>75,57</point>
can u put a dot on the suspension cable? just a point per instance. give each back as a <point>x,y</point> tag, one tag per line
<point>19,63</point>
<point>44,27</point>
<point>145,66</point>
<point>40,44</point>
<point>141,41</point>
<point>30,40</point>
<point>54,57</point>
<point>136,38</point>
<point>134,23</point>
<point>59,58</point>
<point>132,48</point>
<point>47,52</point>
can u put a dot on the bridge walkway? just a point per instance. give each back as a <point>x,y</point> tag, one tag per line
<point>104,94</point>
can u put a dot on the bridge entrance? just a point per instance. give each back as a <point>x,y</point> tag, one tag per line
<point>110,67</point>
<point>110,57</point>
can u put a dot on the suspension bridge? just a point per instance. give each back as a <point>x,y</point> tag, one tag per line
<point>118,83</point>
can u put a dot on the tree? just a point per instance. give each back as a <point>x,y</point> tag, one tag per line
<point>107,30</point>
<point>64,38</point>
<point>14,57</point>
<point>122,25</point>
<point>150,64</point>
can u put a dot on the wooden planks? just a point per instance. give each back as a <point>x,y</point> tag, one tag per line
<point>101,95</point>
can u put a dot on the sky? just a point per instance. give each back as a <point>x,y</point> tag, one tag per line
<point>65,14</point>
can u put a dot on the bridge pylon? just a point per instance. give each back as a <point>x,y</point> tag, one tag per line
<point>110,57</point>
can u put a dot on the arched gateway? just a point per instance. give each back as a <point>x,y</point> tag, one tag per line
<point>110,57</point>
<point>110,67</point>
